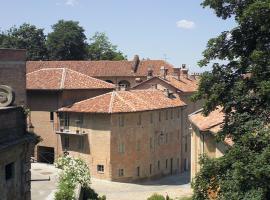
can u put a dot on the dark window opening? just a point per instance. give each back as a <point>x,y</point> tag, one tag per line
<point>150,169</point>
<point>138,171</point>
<point>66,142</point>
<point>9,169</point>
<point>100,168</point>
<point>51,116</point>
<point>166,163</point>
<point>121,172</point>
<point>158,164</point>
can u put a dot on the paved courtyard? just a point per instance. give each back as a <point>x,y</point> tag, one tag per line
<point>44,184</point>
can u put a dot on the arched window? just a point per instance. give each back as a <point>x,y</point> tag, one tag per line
<point>124,84</point>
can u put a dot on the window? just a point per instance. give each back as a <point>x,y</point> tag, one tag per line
<point>186,145</point>
<point>120,172</point>
<point>100,168</point>
<point>51,116</point>
<point>66,141</point>
<point>121,120</point>
<point>139,119</point>
<point>138,145</point>
<point>138,171</point>
<point>171,113</point>
<point>9,171</point>
<point>166,163</point>
<point>159,115</point>
<point>167,113</point>
<point>121,148</point>
<point>66,121</point>
<point>151,143</point>
<point>158,165</point>
<point>150,169</point>
<point>81,143</point>
<point>151,118</point>
<point>178,113</point>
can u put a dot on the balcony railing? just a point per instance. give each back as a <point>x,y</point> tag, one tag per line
<point>78,132</point>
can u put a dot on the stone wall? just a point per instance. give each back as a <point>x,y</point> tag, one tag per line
<point>16,146</point>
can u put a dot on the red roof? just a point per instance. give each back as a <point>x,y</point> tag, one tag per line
<point>126,101</point>
<point>212,122</point>
<point>62,78</point>
<point>103,68</point>
<point>185,84</point>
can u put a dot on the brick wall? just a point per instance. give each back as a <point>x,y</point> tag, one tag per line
<point>12,72</point>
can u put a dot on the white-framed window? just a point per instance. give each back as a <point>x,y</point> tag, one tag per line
<point>120,172</point>
<point>100,168</point>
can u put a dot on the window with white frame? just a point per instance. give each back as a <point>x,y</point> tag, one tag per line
<point>100,168</point>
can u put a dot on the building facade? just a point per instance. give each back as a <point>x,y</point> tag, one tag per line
<point>16,144</point>
<point>203,137</point>
<point>125,135</point>
<point>49,90</point>
<point>184,85</point>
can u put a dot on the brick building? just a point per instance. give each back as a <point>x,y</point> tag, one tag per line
<point>49,89</point>
<point>124,73</point>
<point>16,144</point>
<point>184,85</point>
<point>203,137</point>
<point>125,135</point>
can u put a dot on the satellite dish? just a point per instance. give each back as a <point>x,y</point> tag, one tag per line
<point>7,96</point>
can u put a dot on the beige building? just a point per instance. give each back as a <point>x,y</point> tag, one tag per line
<point>125,135</point>
<point>16,144</point>
<point>50,89</point>
<point>203,137</point>
<point>124,73</point>
<point>184,85</point>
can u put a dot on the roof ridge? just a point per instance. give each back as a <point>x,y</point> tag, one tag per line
<point>128,104</point>
<point>62,84</point>
<point>90,77</point>
<point>111,102</point>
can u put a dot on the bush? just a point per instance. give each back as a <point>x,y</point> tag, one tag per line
<point>156,197</point>
<point>90,194</point>
<point>65,190</point>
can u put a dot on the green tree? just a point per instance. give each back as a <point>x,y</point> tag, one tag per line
<point>67,41</point>
<point>242,87</point>
<point>27,37</point>
<point>101,48</point>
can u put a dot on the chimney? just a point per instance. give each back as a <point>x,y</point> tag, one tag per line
<point>176,72</point>
<point>135,64</point>
<point>163,72</point>
<point>184,71</point>
<point>149,73</point>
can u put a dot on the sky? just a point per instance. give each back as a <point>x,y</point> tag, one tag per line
<point>174,30</point>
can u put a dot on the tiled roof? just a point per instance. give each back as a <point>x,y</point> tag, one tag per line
<point>212,122</point>
<point>102,68</point>
<point>62,78</point>
<point>126,101</point>
<point>185,84</point>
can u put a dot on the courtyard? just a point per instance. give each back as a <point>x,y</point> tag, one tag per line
<point>44,184</point>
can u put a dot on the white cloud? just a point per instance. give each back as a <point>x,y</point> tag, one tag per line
<point>185,24</point>
<point>71,2</point>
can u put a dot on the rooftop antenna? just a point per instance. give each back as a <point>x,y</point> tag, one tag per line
<point>165,57</point>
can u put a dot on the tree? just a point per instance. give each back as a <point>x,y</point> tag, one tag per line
<point>101,48</point>
<point>242,87</point>
<point>27,37</point>
<point>67,41</point>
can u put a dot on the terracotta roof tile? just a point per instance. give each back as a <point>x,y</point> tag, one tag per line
<point>212,122</point>
<point>184,84</point>
<point>62,78</point>
<point>125,101</point>
<point>102,68</point>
